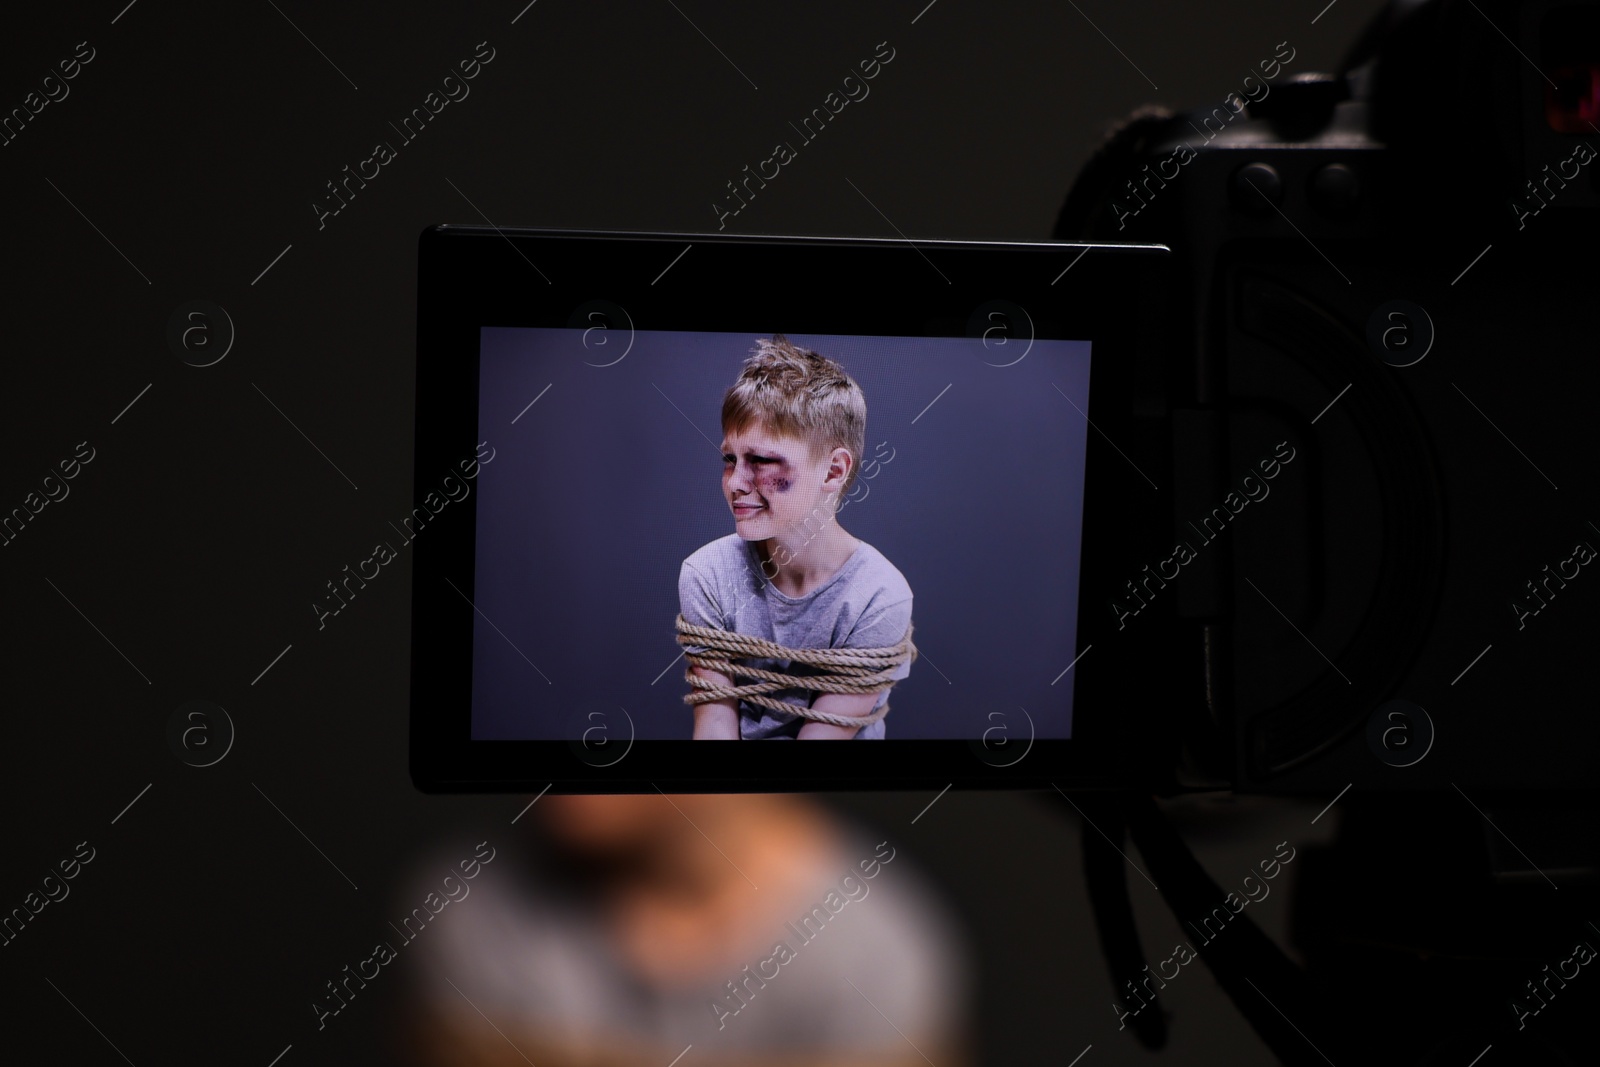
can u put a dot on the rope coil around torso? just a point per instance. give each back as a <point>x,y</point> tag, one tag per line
<point>845,670</point>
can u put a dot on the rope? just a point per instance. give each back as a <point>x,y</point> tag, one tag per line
<point>848,670</point>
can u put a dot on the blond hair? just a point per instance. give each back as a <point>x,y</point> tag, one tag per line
<point>796,392</point>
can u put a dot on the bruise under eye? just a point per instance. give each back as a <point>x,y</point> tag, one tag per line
<point>775,475</point>
<point>772,474</point>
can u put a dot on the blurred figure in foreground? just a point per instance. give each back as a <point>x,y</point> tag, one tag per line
<point>751,930</point>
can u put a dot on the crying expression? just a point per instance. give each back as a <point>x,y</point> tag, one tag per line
<point>770,482</point>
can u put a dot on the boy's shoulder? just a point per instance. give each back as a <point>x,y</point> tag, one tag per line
<point>722,556</point>
<point>884,577</point>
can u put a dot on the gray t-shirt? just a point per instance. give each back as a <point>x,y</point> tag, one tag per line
<point>865,604</point>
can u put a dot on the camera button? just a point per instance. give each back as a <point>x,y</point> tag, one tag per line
<point>1332,188</point>
<point>1257,188</point>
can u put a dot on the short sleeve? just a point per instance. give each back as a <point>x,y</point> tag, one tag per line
<point>697,602</point>
<point>881,627</point>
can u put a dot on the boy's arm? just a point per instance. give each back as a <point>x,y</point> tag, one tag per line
<point>878,627</point>
<point>716,720</point>
<point>857,705</point>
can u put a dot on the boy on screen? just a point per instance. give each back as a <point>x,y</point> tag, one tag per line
<point>790,579</point>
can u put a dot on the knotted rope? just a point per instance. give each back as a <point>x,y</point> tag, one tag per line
<point>847,670</point>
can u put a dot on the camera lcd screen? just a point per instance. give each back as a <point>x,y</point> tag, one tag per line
<point>611,500</point>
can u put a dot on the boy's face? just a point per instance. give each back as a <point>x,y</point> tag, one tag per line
<point>774,483</point>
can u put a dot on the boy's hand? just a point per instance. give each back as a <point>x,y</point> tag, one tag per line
<point>716,720</point>
<point>857,705</point>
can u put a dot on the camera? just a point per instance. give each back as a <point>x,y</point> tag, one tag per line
<point>1388,266</point>
<point>1326,513</point>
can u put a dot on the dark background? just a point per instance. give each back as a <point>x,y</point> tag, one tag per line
<point>185,159</point>
<point>598,493</point>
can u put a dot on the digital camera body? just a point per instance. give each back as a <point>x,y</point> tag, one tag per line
<point>1391,269</point>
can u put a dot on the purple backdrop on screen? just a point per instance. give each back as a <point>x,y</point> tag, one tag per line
<point>601,488</point>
